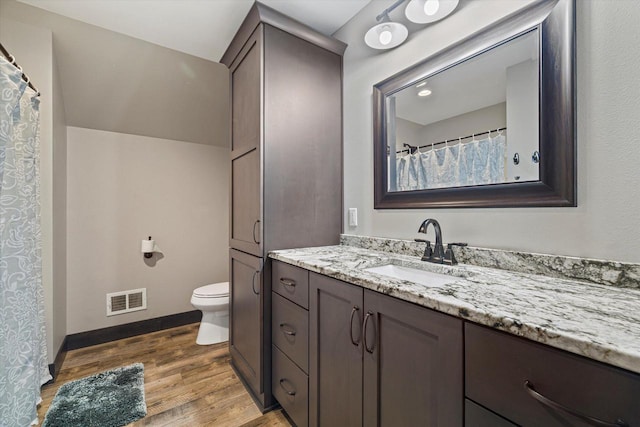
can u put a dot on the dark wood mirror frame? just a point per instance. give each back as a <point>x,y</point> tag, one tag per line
<point>555,21</point>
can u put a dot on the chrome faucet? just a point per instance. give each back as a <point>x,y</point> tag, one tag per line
<point>437,254</point>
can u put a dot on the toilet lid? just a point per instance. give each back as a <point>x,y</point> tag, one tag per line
<point>214,290</point>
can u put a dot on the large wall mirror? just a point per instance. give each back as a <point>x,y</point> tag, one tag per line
<point>488,122</point>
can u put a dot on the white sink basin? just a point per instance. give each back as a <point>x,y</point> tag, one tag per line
<point>423,277</point>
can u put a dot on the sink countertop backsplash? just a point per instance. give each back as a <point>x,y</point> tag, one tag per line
<point>586,307</point>
<point>620,274</point>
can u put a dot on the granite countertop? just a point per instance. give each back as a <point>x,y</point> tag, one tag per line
<point>600,322</point>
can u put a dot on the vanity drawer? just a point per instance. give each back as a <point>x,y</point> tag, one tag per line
<point>497,366</point>
<point>290,330</point>
<point>291,388</point>
<point>291,282</point>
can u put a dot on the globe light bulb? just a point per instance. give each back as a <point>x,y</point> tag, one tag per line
<point>385,36</point>
<point>431,7</point>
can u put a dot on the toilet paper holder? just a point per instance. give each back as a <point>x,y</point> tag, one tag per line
<point>148,247</point>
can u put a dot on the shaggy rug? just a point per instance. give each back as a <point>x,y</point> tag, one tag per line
<point>109,399</point>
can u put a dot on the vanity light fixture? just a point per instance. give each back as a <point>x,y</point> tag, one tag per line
<point>428,11</point>
<point>388,34</point>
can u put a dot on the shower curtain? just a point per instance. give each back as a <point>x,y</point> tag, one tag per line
<point>479,162</point>
<point>23,352</point>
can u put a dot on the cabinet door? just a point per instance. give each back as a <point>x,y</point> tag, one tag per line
<point>246,89</point>
<point>245,230</point>
<point>245,317</point>
<point>413,363</point>
<point>335,352</point>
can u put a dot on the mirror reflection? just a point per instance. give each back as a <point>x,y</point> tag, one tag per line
<point>472,124</point>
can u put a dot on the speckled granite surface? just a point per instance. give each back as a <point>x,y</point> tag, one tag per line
<point>601,322</point>
<point>620,274</point>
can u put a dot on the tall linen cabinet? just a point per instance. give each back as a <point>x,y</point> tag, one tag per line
<point>286,169</point>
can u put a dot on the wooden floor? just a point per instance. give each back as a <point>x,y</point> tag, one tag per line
<point>185,384</point>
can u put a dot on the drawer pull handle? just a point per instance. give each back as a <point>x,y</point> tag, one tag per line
<point>555,405</point>
<point>364,332</point>
<point>290,331</point>
<point>254,231</point>
<point>290,393</point>
<point>253,283</point>
<point>353,312</point>
<point>288,282</point>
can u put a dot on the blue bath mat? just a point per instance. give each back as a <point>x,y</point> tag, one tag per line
<point>109,399</point>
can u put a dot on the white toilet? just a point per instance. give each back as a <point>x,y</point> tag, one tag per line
<point>213,300</point>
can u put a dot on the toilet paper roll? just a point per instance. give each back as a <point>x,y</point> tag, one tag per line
<point>147,246</point>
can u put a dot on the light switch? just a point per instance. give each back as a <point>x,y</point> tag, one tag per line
<point>353,217</point>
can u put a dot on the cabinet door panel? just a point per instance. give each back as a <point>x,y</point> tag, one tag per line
<point>245,203</point>
<point>245,316</point>
<point>246,72</point>
<point>412,365</point>
<point>335,363</point>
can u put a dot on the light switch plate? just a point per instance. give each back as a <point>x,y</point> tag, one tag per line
<point>353,217</point>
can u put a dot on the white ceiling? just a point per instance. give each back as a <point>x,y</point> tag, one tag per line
<point>202,28</point>
<point>476,83</point>
<point>149,67</point>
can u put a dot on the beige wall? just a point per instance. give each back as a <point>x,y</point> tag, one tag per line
<point>122,84</point>
<point>122,188</point>
<point>605,223</point>
<point>32,48</point>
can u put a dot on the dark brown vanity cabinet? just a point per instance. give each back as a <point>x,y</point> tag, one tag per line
<point>286,168</point>
<point>531,384</point>
<point>378,361</point>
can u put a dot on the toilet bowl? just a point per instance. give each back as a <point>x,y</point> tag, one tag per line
<point>213,301</point>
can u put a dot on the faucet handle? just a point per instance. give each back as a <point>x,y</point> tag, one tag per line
<point>449,257</point>
<point>450,245</point>
<point>428,252</point>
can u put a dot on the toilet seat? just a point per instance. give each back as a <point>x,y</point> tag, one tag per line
<point>215,290</point>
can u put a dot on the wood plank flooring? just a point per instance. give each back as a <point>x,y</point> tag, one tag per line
<point>185,384</point>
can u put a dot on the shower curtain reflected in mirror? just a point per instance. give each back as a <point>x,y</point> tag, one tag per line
<point>478,162</point>
<point>23,352</point>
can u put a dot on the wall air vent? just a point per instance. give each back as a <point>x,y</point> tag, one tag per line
<point>126,301</point>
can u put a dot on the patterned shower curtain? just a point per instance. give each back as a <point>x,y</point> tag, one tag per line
<point>23,352</point>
